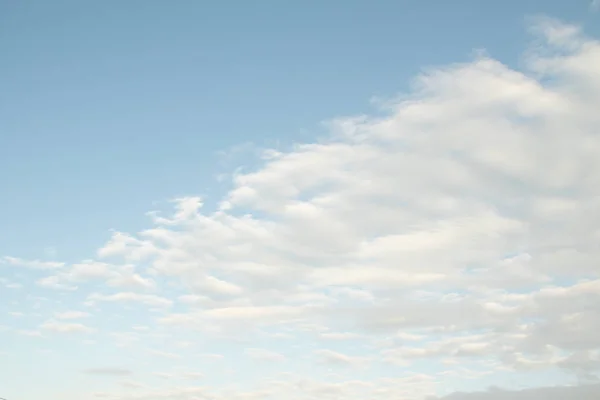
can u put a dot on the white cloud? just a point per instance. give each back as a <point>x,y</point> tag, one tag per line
<point>34,264</point>
<point>54,282</point>
<point>218,286</point>
<point>29,333</point>
<point>339,335</point>
<point>455,213</point>
<point>65,327</point>
<point>108,371</point>
<point>334,358</point>
<point>131,384</point>
<point>16,314</point>
<point>120,276</point>
<point>460,228</point>
<point>125,339</point>
<point>193,375</point>
<point>164,354</point>
<point>214,357</point>
<point>264,355</point>
<point>410,387</point>
<point>71,315</point>
<point>13,285</point>
<point>164,375</point>
<point>146,299</point>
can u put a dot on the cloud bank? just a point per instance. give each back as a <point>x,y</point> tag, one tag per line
<point>459,230</point>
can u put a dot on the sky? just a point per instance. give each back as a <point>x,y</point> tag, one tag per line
<point>299,200</point>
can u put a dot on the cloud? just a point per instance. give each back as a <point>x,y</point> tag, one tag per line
<point>334,358</point>
<point>125,339</point>
<point>264,355</point>
<point>407,387</point>
<point>64,327</point>
<point>193,375</point>
<point>213,357</point>
<point>131,384</point>
<point>586,392</point>
<point>54,282</point>
<point>33,264</point>
<point>457,229</point>
<point>470,207</point>
<point>29,333</point>
<point>13,285</point>
<point>164,354</point>
<point>164,375</point>
<point>108,371</point>
<point>71,315</point>
<point>339,335</point>
<point>16,314</point>
<point>146,299</point>
<point>119,276</point>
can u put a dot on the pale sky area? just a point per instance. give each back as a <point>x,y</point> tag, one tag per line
<point>338,200</point>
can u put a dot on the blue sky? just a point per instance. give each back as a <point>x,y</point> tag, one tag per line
<point>404,156</point>
<point>112,106</point>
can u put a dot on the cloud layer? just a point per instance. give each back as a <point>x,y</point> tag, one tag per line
<point>457,236</point>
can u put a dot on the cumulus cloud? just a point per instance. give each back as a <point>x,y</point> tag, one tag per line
<point>472,206</point>
<point>461,227</point>
<point>470,211</point>
<point>119,276</point>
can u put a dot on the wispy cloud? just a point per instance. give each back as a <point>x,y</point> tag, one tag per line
<point>65,327</point>
<point>33,264</point>
<point>108,371</point>
<point>71,315</point>
<point>264,355</point>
